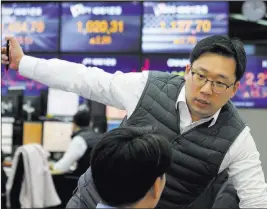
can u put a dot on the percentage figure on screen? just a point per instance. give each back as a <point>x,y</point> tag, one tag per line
<point>191,40</point>
<point>259,79</point>
<point>100,40</point>
<point>262,79</point>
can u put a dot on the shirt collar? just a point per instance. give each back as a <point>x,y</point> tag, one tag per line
<point>182,99</point>
<point>101,205</point>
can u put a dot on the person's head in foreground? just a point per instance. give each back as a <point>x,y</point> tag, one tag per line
<point>128,167</point>
<point>217,65</point>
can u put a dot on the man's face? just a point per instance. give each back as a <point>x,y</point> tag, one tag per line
<point>74,127</point>
<point>203,101</point>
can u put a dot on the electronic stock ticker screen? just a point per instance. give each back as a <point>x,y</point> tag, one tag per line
<point>175,65</point>
<point>100,27</point>
<point>252,92</point>
<point>171,27</point>
<point>12,78</point>
<point>35,25</point>
<point>110,64</point>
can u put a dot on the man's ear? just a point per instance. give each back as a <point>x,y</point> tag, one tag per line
<point>235,88</point>
<point>187,71</point>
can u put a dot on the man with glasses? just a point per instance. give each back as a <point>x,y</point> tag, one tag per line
<point>194,113</point>
<point>200,80</point>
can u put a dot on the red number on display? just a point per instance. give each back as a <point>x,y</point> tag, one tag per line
<point>261,79</point>
<point>249,79</point>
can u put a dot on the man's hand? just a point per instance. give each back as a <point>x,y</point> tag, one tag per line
<point>15,53</point>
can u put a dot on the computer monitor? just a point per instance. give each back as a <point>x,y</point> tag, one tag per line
<point>113,124</point>
<point>62,103</point>
<point>56,136</point>
<point>32,132</point>
<point>16,93</point>
<point>7,106</point>
<point>114,113</point>
<point>31,108</point>
<point>10,106</point>
<point>6,137</point>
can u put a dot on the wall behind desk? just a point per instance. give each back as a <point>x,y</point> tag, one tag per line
<point>257,121</point>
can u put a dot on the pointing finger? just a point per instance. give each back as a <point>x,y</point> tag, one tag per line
<point>3,50</point>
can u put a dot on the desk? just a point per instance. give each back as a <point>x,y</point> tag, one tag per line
<point>7,165</point>
<point>60,181</point>
<point>52,171</point>
<point>32,132</point>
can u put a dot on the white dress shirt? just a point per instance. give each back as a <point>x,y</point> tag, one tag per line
<point>123,91</point>
<point>100,205</point>
<point>75,151</point>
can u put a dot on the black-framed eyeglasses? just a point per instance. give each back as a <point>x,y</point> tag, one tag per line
<point>217,86</point>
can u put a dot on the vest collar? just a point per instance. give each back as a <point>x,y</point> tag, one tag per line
<point>80,131</point>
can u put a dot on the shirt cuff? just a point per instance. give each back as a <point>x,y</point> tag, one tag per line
<point>27,66</point>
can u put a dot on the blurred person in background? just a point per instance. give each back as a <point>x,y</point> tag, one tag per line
<point>193,112</point>
<point>83,140</point>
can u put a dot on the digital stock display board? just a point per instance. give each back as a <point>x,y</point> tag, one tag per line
<point>172,64</point>
<point>172,27</point>
<point>100,27</point>
<point>111,63</point>
<point>35,25</point>
<point>12,78</point>
<point>252,92</point>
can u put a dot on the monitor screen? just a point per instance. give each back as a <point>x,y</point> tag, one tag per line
<point>114,113</point>
<point>35,25</point>
<point>100,27</point>
<point>12,78</point>
<point>32,132</point>
<point>172,27</point>
<point>113,124</point>
<point>171,64</point>
<point>8,105</point>
<point>56,136</point>
<point>252,92</point>
<point>31,108</point>
<point>62,103</point>
<point>111,63</point>
<point>11,105</point>
<point>7,129</point>
<point>6,137</point>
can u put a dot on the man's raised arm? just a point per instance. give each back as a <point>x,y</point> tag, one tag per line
<point>120,90</point>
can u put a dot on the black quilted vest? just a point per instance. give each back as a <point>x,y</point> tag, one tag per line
<point>90,137</point>
<point>198,153</point>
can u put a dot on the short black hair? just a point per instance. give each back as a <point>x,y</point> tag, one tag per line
<point>126,163</point>
<point>82,118</point>
<point>225,46</point>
